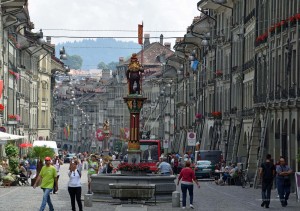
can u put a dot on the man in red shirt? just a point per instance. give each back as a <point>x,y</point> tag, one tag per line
<point>187,177</point>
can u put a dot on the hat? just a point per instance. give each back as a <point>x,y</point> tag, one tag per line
<point>47,158</point>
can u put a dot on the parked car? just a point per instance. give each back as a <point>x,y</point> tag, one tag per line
<point>204,169</point>
<point>69,157</point>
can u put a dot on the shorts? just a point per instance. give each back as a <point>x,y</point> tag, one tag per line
<point>89,178</point>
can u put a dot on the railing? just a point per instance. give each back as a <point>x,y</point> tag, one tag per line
<point>248,64</point>
<point>248,112</point>
<point>249,16</point>
<point>292,92</point>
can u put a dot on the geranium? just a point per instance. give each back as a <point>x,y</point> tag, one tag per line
<point>1,107</point>
<point>133,167</point>
<point>198,116</point>
<point>11,116</point>
<point>216,114</point>
<point>219,72</point>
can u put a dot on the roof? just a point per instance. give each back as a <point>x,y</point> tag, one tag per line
<point>150,54</point>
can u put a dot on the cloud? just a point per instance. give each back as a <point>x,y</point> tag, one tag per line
<point>157,15</point>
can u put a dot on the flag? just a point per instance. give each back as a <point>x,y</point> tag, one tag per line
<point>1,88</point>
<point>140,34</point>
<point>68,128</point>
<point>65,132</point>
<point>194,64</point>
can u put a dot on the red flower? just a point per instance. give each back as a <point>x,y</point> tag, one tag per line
<point>297,16</point>
<point>11,116</point>
<point>1,107</point>
<point>272,29</point>
<point>198,116</point>
<point>219,72</point>
<point>133,167</point>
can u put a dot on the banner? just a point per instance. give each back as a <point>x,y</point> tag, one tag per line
<point>1,88</point>
<point>297,179</point>
<point>191,138</point>
<point>140,34</point>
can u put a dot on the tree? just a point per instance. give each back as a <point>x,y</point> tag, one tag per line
<point>101,66</point>
<point>74,62</point>
<point>112,65</point>
<point>40,153</point>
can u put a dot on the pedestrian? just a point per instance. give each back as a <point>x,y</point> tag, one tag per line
<point>48,175</point>
<point>74,186</point>
<point>267,173</point>
<point>56,163</point>
<point>92,169</point>
<point>283,181</point>
<point>187,177</point>
<point>165,167</point>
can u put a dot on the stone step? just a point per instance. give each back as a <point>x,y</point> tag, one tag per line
<point>131,207</point>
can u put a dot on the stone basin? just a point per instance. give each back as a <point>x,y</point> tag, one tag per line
<point>164,185</point>
<point>125,191</point>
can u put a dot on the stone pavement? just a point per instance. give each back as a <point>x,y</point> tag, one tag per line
<point>208,197</point>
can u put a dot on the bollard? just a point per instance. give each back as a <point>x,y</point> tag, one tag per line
<point>88,200</point>
<point>175,199</point>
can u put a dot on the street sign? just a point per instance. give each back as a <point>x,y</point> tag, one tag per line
<point>166,144</point>
<point>191,138</point>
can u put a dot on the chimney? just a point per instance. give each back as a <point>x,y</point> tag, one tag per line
<point>121,59</point>
<point>147,40</point>
<point>161,39</point>
<point>168,45</point>
<point>48,39</point>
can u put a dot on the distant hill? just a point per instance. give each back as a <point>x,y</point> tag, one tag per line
<point>99,50</point>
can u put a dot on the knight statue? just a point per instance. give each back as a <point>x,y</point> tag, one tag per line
<point>133,74</point>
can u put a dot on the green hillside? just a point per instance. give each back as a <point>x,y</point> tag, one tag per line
<point>95,51</point>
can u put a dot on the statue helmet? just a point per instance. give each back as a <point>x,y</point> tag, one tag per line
<point>134,57</point>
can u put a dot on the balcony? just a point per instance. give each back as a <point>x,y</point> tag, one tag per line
<point>249,16</point>
<point>248,65</point>
<point>292,92</point>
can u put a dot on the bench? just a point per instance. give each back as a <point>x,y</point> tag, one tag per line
<point>131,191</point>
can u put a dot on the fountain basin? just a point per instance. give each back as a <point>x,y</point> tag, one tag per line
<point>164,185</point>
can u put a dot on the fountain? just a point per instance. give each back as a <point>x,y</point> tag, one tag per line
<point>121,186</point>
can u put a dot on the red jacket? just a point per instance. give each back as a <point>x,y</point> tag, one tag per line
<point>187,174</point>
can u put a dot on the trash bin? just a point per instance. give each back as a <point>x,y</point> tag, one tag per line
<point>175,199</point>
<point>88,200</point>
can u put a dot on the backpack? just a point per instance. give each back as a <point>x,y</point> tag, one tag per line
<point>109,168</point>
<point>267,170</point>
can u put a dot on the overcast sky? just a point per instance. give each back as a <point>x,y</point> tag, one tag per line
<point>157,15</point>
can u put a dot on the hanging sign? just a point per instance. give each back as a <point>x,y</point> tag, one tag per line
<point>191,138</point>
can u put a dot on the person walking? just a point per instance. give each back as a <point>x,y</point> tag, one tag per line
<point>267,173</point>
<point>283,181</point>
<point>92,169</point>
<point>56,163</point>
<point>48,175</point>
<point>74,186</point>
<point>187,177</point>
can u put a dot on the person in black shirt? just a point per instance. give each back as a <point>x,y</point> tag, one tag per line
<point>267,173</point>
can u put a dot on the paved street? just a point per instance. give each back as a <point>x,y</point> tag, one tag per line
<point>208,197</point>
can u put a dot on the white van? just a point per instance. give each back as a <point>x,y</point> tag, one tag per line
<point>50,144</point>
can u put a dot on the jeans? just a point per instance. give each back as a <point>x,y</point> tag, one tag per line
<point>283,190</point>
<point>266,191</point>
<point>75,192</point>
<point>46,199</point>
<point>184,188</point>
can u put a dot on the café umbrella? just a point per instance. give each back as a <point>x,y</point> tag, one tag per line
<point>8,136</point>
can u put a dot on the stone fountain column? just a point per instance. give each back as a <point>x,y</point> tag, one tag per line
<point>135,104</point>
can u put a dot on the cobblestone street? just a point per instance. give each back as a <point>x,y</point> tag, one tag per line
<point>208,197</point>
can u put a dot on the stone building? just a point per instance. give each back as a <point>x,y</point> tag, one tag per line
<point>249,79</point>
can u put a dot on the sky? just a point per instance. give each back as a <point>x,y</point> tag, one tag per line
<point>156,15</point>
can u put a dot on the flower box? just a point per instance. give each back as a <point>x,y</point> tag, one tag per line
<point>12,122</point>
<point>134,173</point>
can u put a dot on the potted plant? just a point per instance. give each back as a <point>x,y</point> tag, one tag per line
<point>8,179</point>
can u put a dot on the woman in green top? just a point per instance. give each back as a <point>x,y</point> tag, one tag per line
<point>92,169</point>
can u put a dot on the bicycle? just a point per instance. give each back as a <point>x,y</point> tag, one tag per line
<point>245,181</point>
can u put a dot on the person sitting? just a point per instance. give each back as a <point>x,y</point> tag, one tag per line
<point>165,168</point>
<point>22,170</point>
